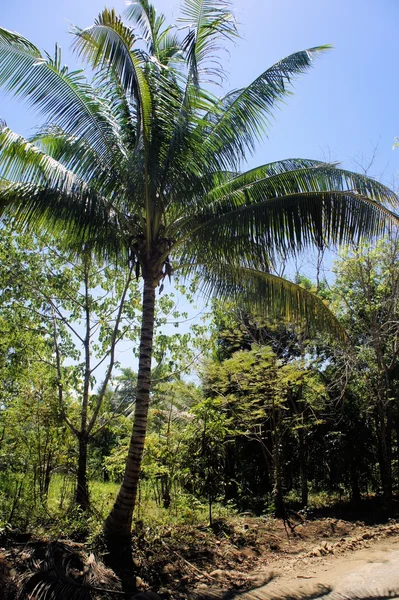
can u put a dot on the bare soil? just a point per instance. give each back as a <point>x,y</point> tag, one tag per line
<point>238,555</point>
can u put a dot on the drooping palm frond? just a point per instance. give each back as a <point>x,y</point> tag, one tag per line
<point>280,209</point>
<point>305,175</point>
<point>80,213</point>
<point>78,157</point>
<point>270,294</point>
<point>64,98</point>
<point>22,161</point>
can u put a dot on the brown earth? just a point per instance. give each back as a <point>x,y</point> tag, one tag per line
<point>236,555</point>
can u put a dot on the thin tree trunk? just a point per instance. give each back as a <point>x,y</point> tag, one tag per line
<point>303,467</point>
<point>354,484</point>
<point>118,525</point>
<point>82,488</point>
<point>279,506</point>
<point>231,491</point>
<point>397,448</point>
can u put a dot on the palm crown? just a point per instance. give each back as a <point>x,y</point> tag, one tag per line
<point>145,162</point>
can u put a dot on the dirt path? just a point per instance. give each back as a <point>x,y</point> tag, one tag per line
<point>372,571</point>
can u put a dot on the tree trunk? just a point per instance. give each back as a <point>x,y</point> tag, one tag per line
<point>231,490</point>
<point>397,448</point>
<point>279,506</point>
<point>303,467</point>
<point>384,457</point>
<point>118,525</point>
<point>354,483</point>
<point>82,488</point>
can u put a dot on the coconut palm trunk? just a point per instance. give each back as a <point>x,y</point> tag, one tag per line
<point>119,522</point>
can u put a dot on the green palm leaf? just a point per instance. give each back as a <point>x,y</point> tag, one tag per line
<point>208,22</point>
<point>240,119</point>
<point>283,208</point>
<point>65,98</point>
<point>109,43</point>
<point>161,43</point>
<point>79,213</point>
<point>270,294</point>
<point>79,157</point>
<point>23,161</point>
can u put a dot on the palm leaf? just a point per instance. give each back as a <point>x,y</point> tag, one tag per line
<point>242,117</point>
<point>80,213</point>
<point>23,161</point>
<point>208,22</point>
<point>270,294</point>
<point>64,97</point>
<point>109,43</point>
<point>160,43</point>
<point>76,155</point>
<point>301,175</point>
<point>51,584</point>
<point>283,208</point>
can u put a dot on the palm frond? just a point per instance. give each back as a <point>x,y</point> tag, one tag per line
<point>110,44</point>
<point>240,119</point>
<point>80,213</point>
<point>64,97</point>
<point>53,584</point>
<point>270,294</point>
<point>302,175</point>
<point>63,571</point>
<point>208,22</point>
<point>144,16</point>
<point>76,155</point>
<point>284,208</point>
<point>163,44</point>
<point>22,161</point>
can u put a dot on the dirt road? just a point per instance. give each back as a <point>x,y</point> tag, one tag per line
<point>371,572</point>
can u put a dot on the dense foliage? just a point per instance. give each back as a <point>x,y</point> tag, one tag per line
<point>273,419</point>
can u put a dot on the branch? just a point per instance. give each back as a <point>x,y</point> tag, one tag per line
<point>114,341</point>
<point>59,382</point>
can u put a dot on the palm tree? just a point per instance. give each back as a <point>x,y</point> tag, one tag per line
<point>145,163</point>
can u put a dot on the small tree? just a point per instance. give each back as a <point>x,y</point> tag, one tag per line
<point>366,292</point>
<point>82,309</point>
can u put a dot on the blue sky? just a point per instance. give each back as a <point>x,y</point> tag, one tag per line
<point>346,105</point>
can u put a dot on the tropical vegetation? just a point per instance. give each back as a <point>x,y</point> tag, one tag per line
<point>140,164</point>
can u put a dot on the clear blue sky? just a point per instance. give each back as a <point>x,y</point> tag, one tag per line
<point>346,104</point>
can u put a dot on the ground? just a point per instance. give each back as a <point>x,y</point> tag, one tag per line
<point>371,571</point>
<point>236,555</point>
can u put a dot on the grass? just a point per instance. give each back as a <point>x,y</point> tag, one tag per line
<point>59,517</point>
